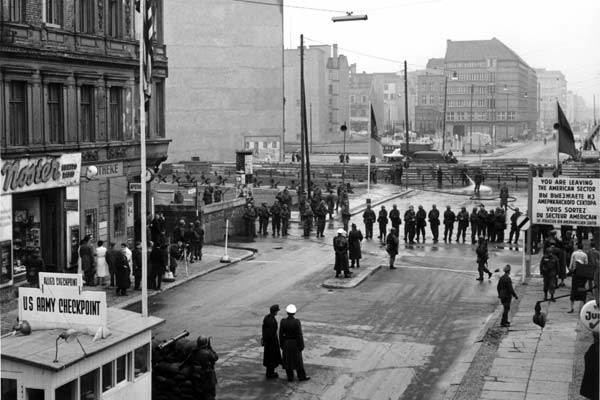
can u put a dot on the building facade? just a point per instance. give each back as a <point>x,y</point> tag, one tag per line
<point>326,84</point>
<point>552,87</point>
<point>495,92</point>
<point>69,107</point>
<point>225,86</point>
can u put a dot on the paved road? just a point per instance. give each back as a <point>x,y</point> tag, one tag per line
<point>400,334</point>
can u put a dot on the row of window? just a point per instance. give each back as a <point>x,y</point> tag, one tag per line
<point>471,64</point>
<point>127,367</point>
<point>478,76</point>
<point>480,116</point>
<point>85,14</point>
<point>18,113</point>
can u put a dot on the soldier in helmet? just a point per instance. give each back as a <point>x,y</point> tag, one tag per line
<point>204,378</point>
<point>291,342</point>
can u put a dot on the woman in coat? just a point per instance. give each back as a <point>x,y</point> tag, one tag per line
<point>354,238</point>
<point>101,264</point>
<point>270,341</point>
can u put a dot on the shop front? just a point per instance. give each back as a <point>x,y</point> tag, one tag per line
<point>39,209</point>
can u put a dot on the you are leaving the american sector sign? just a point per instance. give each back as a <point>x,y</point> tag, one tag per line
<point>566,201</point>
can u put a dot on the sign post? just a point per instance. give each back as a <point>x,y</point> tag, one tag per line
<point>523,224</point>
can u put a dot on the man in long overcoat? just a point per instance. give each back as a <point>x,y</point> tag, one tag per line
<point>122,272</point>
<point>86,253</point>
<point>354,238</point>
<point>292,344</point>
<point>369,219</point>
<point>270,341</point>
<point>340,246</point>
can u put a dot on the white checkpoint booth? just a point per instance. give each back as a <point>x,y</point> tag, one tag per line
<point>76,361</point>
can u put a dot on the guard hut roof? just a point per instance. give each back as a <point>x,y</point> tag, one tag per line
<point>38,348</point>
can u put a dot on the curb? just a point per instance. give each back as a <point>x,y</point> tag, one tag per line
<point>352,285</point>
<point>137,299</point>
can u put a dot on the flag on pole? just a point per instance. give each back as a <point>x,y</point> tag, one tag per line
<point>376,145</point>
<point>566,141</point>
<point>148,53</point>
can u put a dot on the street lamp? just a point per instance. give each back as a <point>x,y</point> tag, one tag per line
<point>344,128</point>
<point>350,17</point>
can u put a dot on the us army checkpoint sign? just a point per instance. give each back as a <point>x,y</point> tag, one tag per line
<point>566,201</point>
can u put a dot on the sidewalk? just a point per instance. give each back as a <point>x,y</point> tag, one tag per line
<point>210,262</point>
<point>533,363</point>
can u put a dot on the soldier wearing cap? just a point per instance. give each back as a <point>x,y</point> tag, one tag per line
<point>270,341</point>
<point>514,226</point>
<point>340,246</point>
<point>292,344</point>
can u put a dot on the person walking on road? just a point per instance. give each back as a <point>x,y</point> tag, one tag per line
<point>395,218</point>
<point>549,266</point>
<point>505,293</point>
<point>420,217</point>
<point>340,247</point>
<point>369,219</point>
<point>449,218</point>
<point>291,342</point>
<point>270,342</point>
<point>392,246</point>
<point>354,238</point>
<point>482,258</point>
<point>383,221</point>
<point>434,222</point>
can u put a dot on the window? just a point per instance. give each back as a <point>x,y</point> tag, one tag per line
<point>122,368</point>
<point>18,113</point>
<point>116,127</point>
<point>114,18</point>
<point>90,223</point>
<point>140,356</point>
<point>160,108</point>
<point>88,385</point>
<point>54,12</point>
<point>67,391</point>
<point>86,16</point>
<point>363,99</point>
<point>352,99</point>
<point>55,113</point>
<point>423,100</point>
<point>119,227</point>
<point>88,114</point>
<point>16,10</point>
<point>108,377</point>
<point>9,389</point>
<point>431,99</point>
<point>512,116</point>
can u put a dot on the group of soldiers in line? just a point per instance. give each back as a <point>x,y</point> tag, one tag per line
<point>488,224</point>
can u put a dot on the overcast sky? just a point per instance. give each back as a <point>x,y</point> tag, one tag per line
<point>551,34</point>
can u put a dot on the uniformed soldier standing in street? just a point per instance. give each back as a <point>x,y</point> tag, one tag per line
<point>420,216</point>
<point>369,219</point>
<point>354,238</point>
<point>270,341</point>
<point>409,225</point>
<point>285,219</point>
<point>474,220</point>
<point>204,359</point>
<point>249,220</point>
<point>505,293</point>
<point>307,219</point>
<point>276,219</point>
<point>292,344</point>
<point>383,220</point>
<point>395,218</point>
<point>321,215</point>
<point>449,218</point>
<point>263,219</point>
<point>463,224</point>
<point>346,214</point>
<point>434,222</point>
<point>514,227</point>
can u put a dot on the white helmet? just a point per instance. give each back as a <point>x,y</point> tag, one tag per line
<point>290,309</point>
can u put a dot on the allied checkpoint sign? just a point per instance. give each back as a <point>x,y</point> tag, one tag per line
<point>60,302</point>
<point>566,201</point>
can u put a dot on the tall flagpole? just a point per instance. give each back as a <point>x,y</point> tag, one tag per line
<point>369,156</point>
<point>143,193</point>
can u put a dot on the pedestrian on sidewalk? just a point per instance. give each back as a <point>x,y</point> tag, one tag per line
<point>549,269</point>
<point>392,246</point>
<point>354,238</point>
<point>137,266</point>
<point>589,384</point>
<point>593,260</point>
<point>505,293</point>
<point>101,264</point>
<point>159,261</point>
<point>198,241</point>
<point>122,273</point>
<point>86,253</point>
<point>482,258</point>
<point>270,341</point>
<point>291,342</point>
<point>340,247</point>
<point>578,293</point>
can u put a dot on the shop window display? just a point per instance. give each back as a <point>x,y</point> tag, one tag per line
<point>26,233</point>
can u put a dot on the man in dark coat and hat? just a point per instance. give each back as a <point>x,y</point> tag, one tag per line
<point>340,246</point>
<point>270,341</point>
<point>292,344</point>
<point>122,273</point>
<point>392,246</point>
<point>86,253</point>
<point>354,238</point>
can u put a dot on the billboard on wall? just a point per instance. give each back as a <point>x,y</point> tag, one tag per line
<point>37,173</point>
<point>566,201</point>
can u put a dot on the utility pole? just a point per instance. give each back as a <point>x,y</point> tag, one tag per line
<point>302,105</point>
<point>406,107</point>
<point>471,122</point>
<point>444,121</point>
<point>304,127</point>
<point>310,114</point>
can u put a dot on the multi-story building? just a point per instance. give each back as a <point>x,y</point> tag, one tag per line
<point>361,93</point>
<point>495,91</point>
<point>577,112</point>
<point>429,111</point>
<point>552,87</point>
<point>69,108</point>
<point>326,77</point>
<point>225,86</point>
